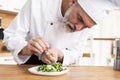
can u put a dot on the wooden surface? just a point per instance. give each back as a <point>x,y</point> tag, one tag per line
<point>109,39</point>
<point>15,72</point>
<point>5,53</point>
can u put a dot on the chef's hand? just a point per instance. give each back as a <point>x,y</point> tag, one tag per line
<point>35,45</point>
<point>52,56</point>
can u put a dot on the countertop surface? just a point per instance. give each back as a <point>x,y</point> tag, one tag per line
<point>20,72</point>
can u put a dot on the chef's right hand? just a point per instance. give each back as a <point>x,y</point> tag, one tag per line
<point>35,45</point>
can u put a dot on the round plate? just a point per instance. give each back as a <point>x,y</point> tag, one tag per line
<point>34,71</point>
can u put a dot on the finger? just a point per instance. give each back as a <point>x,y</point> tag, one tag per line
<point>34,49</point>
<point>51,53</point>
<point>43,45</point>
<point>36,45</point>
<point>51,58</point>
<point>48,55</point>
<point>45,42</point>
<point>44,59</point>
<point>48,61</point>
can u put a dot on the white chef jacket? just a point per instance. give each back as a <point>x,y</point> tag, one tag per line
<point>40,18</point>
<point>116,2</point>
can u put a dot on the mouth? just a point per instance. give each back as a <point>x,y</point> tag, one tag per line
<point>70,26</point>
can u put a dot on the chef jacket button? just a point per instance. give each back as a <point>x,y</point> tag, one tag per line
<point>66,48</point>
<point>51,23</point>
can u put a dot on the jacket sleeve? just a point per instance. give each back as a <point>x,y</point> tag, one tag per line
<point>15,34</point>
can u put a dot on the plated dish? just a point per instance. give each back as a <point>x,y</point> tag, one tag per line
<point>34,70</point>
<point>49,70</point>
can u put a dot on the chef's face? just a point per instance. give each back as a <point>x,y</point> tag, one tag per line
<point>76,18</point>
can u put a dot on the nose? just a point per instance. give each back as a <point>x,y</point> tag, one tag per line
<point>79,27</point>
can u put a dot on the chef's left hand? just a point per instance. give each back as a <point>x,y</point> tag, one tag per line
<point>52,56</point>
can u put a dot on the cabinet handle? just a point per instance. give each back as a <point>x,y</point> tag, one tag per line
<point>16,9</point>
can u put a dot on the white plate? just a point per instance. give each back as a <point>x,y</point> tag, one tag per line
<point>34,71</point>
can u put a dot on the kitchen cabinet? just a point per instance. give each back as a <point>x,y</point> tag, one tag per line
<point>12,5</point>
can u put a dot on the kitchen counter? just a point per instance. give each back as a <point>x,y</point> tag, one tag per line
<point>20,72</point>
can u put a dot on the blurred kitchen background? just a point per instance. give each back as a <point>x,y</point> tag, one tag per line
<point>100,45</point>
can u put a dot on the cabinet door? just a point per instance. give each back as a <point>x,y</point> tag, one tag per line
<point>15,5</point>
<point>3,5</point>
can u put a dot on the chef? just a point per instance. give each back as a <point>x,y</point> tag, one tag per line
<point>50,31</point>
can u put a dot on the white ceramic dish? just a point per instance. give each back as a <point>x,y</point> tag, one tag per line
<point>34,71</point>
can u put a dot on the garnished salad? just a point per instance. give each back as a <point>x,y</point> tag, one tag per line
<point>57,67</point>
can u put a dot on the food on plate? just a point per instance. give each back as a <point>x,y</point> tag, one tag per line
<point>56,67</point>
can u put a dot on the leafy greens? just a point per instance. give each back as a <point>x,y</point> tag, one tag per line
<point>57,67</point>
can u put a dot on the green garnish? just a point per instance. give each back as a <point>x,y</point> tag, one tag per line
<point>57,67</point>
